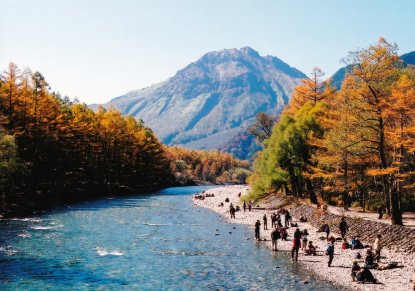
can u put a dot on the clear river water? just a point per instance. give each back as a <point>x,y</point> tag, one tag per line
<point>146,242</point>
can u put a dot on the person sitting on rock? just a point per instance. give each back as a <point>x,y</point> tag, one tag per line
<point>345,244</point>
<point>311,249</point>
<point>303,218</point>
<point>369,260</point>
<point>365,276</point>
<point>325,228</point>
<point>355,269</point>
<point>356,243</point>
<point>284,233</point>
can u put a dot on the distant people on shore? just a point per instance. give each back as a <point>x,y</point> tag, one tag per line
<point>311,249</point>
<point>203,196</point>
<point>370,260</point>
<point>303,218</point>
<point>275,235</point>
<point>364,275</point>
<point>343,227</point>
<point>264,218</point>
<point>257,228</point>
<point>287,218</point>
<point>325,228</point>
<point>250,205</point>
<point>296,245</point>
<point>356,243</point>
<point>244,206</point>
<point>345,244</point>
<point>330,250</point>
<point>232,210</point>
<point>273,220</point>
<point>304,240</point>
<point>380,212</point>
<point>355,269</point>
<point>284,233</point>
<point>377,247</point>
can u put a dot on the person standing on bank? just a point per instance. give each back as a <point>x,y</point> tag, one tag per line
<point>244,206</point>
<point>275,235</point>
<point>330,250</point>
<point>296,244</point>
<point>232,210</point>
<point>380,212</point>
<point>377,247</point>
<point>287,218</point>
<point>265,221</point>
<point>257,227</point>
<point>343,227</point>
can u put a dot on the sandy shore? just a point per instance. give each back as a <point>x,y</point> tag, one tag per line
<point>339,273</point>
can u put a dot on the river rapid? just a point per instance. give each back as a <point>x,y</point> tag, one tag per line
<point>145,242</point>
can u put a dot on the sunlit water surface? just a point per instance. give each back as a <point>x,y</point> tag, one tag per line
<point>158,241</point>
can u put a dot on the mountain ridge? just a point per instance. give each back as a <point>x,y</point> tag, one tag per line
<point>208,102</point>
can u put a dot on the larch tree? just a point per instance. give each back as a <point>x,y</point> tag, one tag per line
<point>375,70</point>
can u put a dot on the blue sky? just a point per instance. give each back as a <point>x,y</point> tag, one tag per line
<point>99,49</point>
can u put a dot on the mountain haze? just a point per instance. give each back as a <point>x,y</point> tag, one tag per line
<point>210,101</point>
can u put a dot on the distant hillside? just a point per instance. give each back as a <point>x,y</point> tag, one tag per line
<point>338,77</point>
<point>409,58</point>
<point>213,100</point>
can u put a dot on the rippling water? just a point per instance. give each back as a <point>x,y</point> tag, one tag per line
<point>158,241</point>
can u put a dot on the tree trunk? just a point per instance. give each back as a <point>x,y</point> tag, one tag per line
<point>396,217</point>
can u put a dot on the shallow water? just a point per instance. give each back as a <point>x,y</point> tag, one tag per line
<point>158,241</point>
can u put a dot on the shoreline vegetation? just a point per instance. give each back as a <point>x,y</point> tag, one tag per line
<point>400,278</point>
<point>56,150</point>
<point>352,146</point>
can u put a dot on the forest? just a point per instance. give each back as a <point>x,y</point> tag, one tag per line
<point>353,146</point>
<point>198,166</point>
<point>54,150</point>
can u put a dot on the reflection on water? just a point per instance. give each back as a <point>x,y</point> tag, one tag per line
<point>146,242</point>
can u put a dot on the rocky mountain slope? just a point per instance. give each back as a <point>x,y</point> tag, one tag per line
<point>209,102</point>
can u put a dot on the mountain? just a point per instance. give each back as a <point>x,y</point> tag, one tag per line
<point>211,101</point>
<point>338,77</point>
<point>409,58</point>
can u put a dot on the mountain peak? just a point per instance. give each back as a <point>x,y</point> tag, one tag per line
<point>231,53</point>
<point>207,103</point>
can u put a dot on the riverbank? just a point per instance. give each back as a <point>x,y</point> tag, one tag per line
<point>339,273</point>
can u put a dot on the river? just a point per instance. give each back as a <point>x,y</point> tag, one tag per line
<point>145,242</point>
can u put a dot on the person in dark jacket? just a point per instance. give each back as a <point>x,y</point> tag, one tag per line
<point>257,228</point>
<point>330,250</point>
<point>296,244</point>
<point>343,227</point>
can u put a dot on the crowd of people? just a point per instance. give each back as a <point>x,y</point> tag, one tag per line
<point>203,195</point>
<point>300,241</point>
<point>282,220</point>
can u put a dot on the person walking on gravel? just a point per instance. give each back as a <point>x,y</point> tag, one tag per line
<point>343,227</point>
